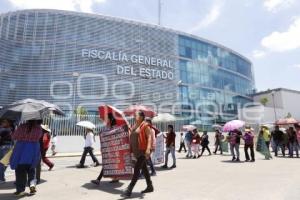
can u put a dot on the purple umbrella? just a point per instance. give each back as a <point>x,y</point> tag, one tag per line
<point>232,125</point>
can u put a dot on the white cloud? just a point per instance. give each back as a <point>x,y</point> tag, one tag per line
<point>210,18</point>
<point>296,66</point>
<point>284,41</point>
<point>259,54</point>
<point>276,5</point>
<point>74,5</point>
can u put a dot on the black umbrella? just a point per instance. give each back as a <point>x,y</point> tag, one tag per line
<point>24,112</point>
<point>52,107</point>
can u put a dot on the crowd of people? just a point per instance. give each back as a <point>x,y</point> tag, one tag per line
<point>30,141</point>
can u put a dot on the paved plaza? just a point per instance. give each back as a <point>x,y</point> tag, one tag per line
<point>210,177</point>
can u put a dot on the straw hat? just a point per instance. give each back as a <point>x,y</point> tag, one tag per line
<point>46,128</point>
<point>247,128</point>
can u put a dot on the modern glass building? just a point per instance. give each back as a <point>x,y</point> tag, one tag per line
<point>76,59</point>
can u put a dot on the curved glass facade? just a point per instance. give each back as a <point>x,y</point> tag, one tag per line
<point>74,59</point>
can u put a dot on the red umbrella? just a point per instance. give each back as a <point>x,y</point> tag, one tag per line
<point>104,110</point>
<point>286,121</point>
<point>131,110</point>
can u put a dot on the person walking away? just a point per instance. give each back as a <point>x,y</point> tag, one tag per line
<point>249,144</point>
<point>26,155</point>
<point>153,145</point>
<point>266,135</point>
<point>182,143</point>
<point>188,140</point>
<point>54,143</point>
<point>45,143</point>
<point>88,149</point>
<point>205,143</point>
<point>277,136</point>
<point>196,143</point>
<point>218,140</point>
<point>6,144</point>
<point>170,147</point>
<point>144,146</point>
<point>234,140</point>
<point>110,124</point>
<point>293,142</point>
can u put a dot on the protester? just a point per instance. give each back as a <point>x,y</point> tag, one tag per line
<point>144,146</point>
<point>293,142</point>
<point>188,140</point>
<point>196,143</point>
<point>182,143</point>
<point>218,140</point>
<point>266,135</point>
<point>54,143</point>
<point>205,143</point>
<point>249,144</point>
<point>234,140</point>
<point>110,124</point>
<point>277,136</point>
<point>262,145</point>
<point>170,147</point>
<point>26,155</point>
<point>153,145</point>
<point>6,144</point>
<point>88,148</point>
<point>45,143</point>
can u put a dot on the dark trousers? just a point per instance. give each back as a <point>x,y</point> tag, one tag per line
<point>268,144</point>
<point>85,152</point>
<point>45,159</point>
<point>140,165</point>
<point>150,164</point>
<point>218,147</point>
<point>251,147</point>
<point>100,175</point>
<point>24,174</point>
<point>182,146</point>
<point>205,146</point>
<point>277,145</point>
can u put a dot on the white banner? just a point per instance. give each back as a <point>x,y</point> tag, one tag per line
<point>158,155</point>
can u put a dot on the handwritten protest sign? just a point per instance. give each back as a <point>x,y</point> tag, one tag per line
<point>115,149</point>
<point>158,155</point>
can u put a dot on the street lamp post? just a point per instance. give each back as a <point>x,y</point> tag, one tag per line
<point>75,75</point>
<point>273,98</point>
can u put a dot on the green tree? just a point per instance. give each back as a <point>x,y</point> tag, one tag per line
<point>81,113</point>
<point>289,115</point>
<point>264,101</point>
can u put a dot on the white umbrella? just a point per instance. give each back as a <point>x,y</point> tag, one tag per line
<point>197,122</point>
<point>164,117</point>
<point>86,124</point>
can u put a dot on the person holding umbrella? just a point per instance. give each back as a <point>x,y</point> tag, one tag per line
<point>89,142</point>
<point>234,141</point>
<point>143,143</point>
<point>218,140</point>
<point>26,155</point>
<point>249,144</point>
<point>6,143</point>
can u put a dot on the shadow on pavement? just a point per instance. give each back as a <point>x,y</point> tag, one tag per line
<point>112,188</point>
<point>10,196</point>
<point>10,185</point>
<point>232,162</point>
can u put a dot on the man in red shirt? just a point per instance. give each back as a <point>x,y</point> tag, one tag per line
<point>170,147</point>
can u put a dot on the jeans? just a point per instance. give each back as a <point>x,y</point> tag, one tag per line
<point>236,148</point>
<point>218,147</point>
<point>3,151</point>
<point>293,146</point>
<point>140,165</point>
<point>171,150</point>
<point>278,144</point>
<point>150,164</point>
<point>25,174</point>
<point>251,147</point>
<point>189,145</point>
<point>85,152</point>
<point>182,146</point>
<point>205,146</point>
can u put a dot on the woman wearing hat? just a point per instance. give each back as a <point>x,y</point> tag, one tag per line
<point>45,143</point>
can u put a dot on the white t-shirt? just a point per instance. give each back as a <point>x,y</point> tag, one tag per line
<point>89,139</point>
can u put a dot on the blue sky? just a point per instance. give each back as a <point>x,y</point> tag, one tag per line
<point>265,31</point>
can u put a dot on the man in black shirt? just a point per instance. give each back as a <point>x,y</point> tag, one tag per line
<point>277,136</point>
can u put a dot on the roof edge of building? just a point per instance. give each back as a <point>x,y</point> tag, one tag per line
<point>277,90</point>
<point>136,22</point>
